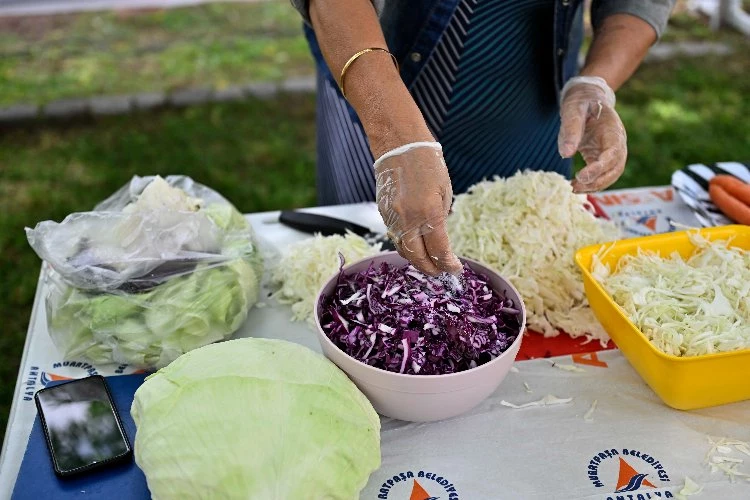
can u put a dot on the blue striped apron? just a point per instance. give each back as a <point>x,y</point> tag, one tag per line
<point>487,93</point>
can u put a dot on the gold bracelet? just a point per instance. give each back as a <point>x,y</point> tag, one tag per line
<point>354,58</point>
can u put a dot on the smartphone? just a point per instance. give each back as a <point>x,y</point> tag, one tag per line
<point>81,425</point>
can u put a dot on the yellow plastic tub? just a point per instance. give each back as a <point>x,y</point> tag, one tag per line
<point>684,383</point>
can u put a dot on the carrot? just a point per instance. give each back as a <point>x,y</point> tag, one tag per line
<point>733,186</point>
<point>732,207</point>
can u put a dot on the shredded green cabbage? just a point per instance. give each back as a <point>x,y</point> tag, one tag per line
<point>717,459</point>
<point>528,227</point>
<point>589,415</point>
<point>306,266</point>
<point>548,400</point>
<point>685,307</point>
<point>690,488</point>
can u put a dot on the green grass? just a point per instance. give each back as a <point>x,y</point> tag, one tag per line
<point>685,111</point>
<point>212,45</point>
<point>215,45</point>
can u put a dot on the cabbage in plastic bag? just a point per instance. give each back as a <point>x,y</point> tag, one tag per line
<point>254,419</point>
<point>152,273</point>
<point>150,228</point>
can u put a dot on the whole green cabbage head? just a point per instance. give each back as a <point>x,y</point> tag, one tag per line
<point>254,419</point>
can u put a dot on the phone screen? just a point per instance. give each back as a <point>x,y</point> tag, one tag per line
<point>81,423</point>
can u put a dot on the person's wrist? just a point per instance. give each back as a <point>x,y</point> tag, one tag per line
<point>594,70</point>
<point>394,122</point>
<point>595,84</point>
<point>387,133</point>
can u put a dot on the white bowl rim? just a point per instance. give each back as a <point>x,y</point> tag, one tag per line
<point>474,370</point>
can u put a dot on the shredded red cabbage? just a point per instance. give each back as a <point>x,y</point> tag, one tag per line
<point>400,320</point>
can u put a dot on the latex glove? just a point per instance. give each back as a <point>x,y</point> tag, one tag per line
<point>590,124</point>
<point>414,195</point>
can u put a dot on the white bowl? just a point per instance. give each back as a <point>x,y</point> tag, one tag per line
<point>423,398</point>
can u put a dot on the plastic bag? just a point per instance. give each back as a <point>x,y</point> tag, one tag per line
<point>156,270</point>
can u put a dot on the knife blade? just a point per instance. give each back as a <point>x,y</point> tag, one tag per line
<point>315,223</point>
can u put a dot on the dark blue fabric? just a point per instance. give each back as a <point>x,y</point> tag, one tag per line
<point>37,480</point>
<point>417,25</point>
<point>504,114</point>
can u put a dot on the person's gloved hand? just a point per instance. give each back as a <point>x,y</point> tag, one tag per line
<point>414,196</point>
<point>590,124</point>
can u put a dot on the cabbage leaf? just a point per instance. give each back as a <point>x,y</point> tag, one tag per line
<point>254,418</point>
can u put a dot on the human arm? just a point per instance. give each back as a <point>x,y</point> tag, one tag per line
<point>374,88</point>
<point>413,190</point>
<point>589,122</point>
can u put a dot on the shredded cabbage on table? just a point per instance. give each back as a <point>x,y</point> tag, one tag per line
<point>528,227</point>
<point>306,265</point>
<point>685,307</point>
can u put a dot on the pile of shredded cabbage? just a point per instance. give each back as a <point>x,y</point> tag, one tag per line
<point>685,307</point>
<point>306,265</point>
<point>528,227</point>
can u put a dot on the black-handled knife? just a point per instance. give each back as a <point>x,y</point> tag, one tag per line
<point>327,226</point>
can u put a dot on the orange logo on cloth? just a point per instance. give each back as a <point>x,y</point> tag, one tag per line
<point>601,472</point>
<point>589,359</point>
<point>398,485</point>
<point>649,222</point>
<point>48,377</point>
<point>642,196</point>
<point>419,493</point>
<point>629,479</point>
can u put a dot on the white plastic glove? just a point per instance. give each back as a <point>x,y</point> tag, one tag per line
<point>414,195</point>
<point>590,124</point>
